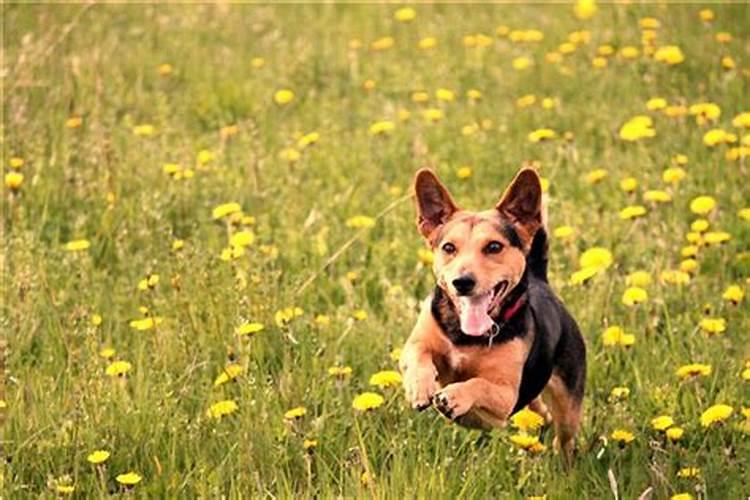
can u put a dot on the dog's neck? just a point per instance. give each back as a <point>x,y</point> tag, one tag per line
<point>508,318</point>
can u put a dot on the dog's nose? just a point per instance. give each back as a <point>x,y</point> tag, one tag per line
<point>464,284</point>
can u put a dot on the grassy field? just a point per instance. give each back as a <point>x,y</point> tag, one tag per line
<point>209,247</point>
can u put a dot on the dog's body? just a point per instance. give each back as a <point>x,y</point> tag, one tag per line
<point>493,336</point>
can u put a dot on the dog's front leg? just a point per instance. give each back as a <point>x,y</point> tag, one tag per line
<point>419,375</point>
<point>489,403</point>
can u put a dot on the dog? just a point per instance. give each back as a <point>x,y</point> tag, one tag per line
<point>493,338</point>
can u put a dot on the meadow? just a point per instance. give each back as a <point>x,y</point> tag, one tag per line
<point>210,259</point>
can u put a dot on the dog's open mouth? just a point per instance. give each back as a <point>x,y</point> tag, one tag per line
<point>474,311</point>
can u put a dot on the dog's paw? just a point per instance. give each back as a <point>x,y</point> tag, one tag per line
<point>454,400</point>
<point>420,387</point>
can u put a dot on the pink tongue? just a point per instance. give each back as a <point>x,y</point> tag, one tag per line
<point>473,314</point>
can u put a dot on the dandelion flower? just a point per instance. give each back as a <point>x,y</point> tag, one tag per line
<point>662,422</point>
<point>657,196</point>
<point>283,96</point>
<point>585,9</point>
<point>77,245</point>
<point>433,114</point>
<point>619,393</point>
<point>716,414</point>
<point>386,378</point>
<point>360,222</point>
<point>629,184</point>
<point>340,371</point>
<point>542,134</point>
<point>634,295</point>
<point>674,277</point>
<point>638,279</point>
<point>97,457</point>
<point>716,237</point>
<point>222,409</point>
<point>527,420</point>
<point>702,205</point>
<point>713,326</point>
<point>249,329</point>
<point>582,276</point>
<point>383,43</point>
<point>225,209</point>
<point>688,472</point>
<point>681,496</point>
<point>675,433</point>
<point>595,176</point>
<point>527,442</point>
<point>622,436</point>
<point>118,368</point>
<point>616,336</point>
<point>145,323</point>
<point>669,54</point>
<point>733,294</point>
<point>563,232</point>
<point>405,15</point>
<point>632,212</point>
<point>637,128</point>
<point>231,372</point>
<point>382,128</point>
<point>693,370</point>
<point>144,130</point>
<point>128,479</point>
<point>463,172</point>
<point>673,175</point>
<point>13,180</point>
<point>367,401</point>
<point>295,413</point>
<point>596,257</point>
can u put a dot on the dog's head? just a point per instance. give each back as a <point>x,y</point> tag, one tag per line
<point>479,256</point>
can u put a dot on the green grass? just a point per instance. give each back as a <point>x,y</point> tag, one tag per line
<point>103,183</point>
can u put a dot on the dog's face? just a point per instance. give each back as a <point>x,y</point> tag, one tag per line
<point>479,256</point>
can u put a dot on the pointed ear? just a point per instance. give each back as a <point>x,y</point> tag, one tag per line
<point>522,201</point>
<point>434,203</point>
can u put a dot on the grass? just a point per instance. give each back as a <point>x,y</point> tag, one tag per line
<point>102,182</point>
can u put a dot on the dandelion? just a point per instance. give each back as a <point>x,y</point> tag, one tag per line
<point>128,479</point>
<point>231,372</point>
<point>242,239</point>
<point>542,134</point>
<point>359,315</point>
<point>674,277</point>
<point>285,316</point>
<point>522,63</point>
<point>705,112</point>
<point>622,436</point>
<point>65,489</point>
<point>688,472</point>
<point>585,9</point>
<point>713,326</point>
<point>367,401</point>
<point>662,422</point>
<point>107,353</point>
<point>386,378</point>
<point>145,323</point>
<point>632,212</point>
<point>629,52</point>
<point>638,279</point>
<point>308,140</point>
<point>426,43</point>
<point>295,413</point>
<point>382,44</point>
<point>118,368</point>
<point>340,371</point>
<point>445,95</point>
<point>98,457</point>
<point>16,162</point>
<point>322,320</point>
<point>527,442</point>
<point>616,336</point>
<point>733,294</point>
<point>669,54</point>
<point>164,69</point>
<point>689,265</point>
<point>634,295</point>
<point>283,97</point>
<point>716,237</point>
<point>693,370</point>
<point>706,15</point>
<point>527,420</point>
<point>13,180</point>
<point>463,172</point>
<point>382,127</point>
<point>360,222</point>
<point>74,122</point>
<point>681,496</point>
<point>474,95</point>
<point>405,15</point>
<point>637,128</point>
<point>673,175</point>
<point>77,245</point>
<point>309,444</point>
<point>595,176</point>
<point>619,393</point>
<point>249,329</point>
<point>657,196</point>
<point>257,62</point>
<point>723,37</point>
<point>675,433</point>
<point>433,114</point>
<point>689,251</point>
<point>582,276</point>
<point>629,184</point>
<point>225,209</point>
<point>144,130</point>
<point>222,409</point>
<point>563,232</point>
<point>596,257</point>
<point>715,414</point>
<point>742,120</point>
<point>717,136</point>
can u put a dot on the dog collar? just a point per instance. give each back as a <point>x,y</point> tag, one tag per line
<point>507,315</point>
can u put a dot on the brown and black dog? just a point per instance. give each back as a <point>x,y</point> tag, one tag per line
<point>493,336</point>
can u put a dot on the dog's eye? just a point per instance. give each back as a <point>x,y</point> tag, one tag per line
<point>449,248</point>
<point>493,247</point>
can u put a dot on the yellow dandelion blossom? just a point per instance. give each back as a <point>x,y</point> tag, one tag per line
<point>308,140</point>
<point>77,245</point>
<point>386,378</point>
<point>582,276</point>
<point>527,442</point>
<point>713,326</point>
<point>563,232</point>
<point>693,370</point>
<point>675,433</point>
<point>65,489</point>
<point>662,422</point>
<point>628,184</point>
<point>290,155</point>
<point>242,238</point>
<point>733,294</point>
<point>221,409</point>
<point>249,329</point>
<point>405,14</point>
<point>527,420</point>
<point>118,368</point>
<point>681,496</point>
<point>382,127</point>
<point>619,393</point>
<point>716,414</point>
<point>360,222</point>
<point>634,295</point>
<point>715,137</point>
<point>145,323</point>
<point>632,212</point>
<point>295,413</point>
<point>428,42</point>
<point>433,114</point>
<point>688,472</point>
<point>107,353</point>
<point>463,172</point>
<point>595,176</point>
<point>716,237</point>
<point>596,257</point>
<point>629,52</point>
<point>637,128</point>
<point>128,479</point>
<point>144,130</point>
<point>359,314</point>
<point>585,9</point>
<point>283,96</point>
<point>542,134</point>
<point>669,54</point>
<point>673,175</point>
<point>367,401</point>
<point>383,43</point>
<point>638,279</point>
<point>742,120</point>
<point>97,457</point>
<point>340,371</point>
<point>616,336</point>
<point>622,436</point>
<point>13,180</point>
<point>74,122</point>
<point>657,196</point>
<point>230,372</point>
<point>689,266</point>
<point>674,277</point>
<point>225,209</point>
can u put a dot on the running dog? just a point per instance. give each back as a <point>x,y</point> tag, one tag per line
<point>493,337</point>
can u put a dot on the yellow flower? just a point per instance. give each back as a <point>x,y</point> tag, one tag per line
<point>527,420</point>
<point>542,134</point>
<point>527,442</point>
<point>705,112</point>
<point>77,245</point>
<point>681,496</point>
<point>675,433</point>
<point>689,265</point>
<point>382,127</point>
<point>289,154</point>
<point>128,479</point>
<point>429,42</point>
<point>526,101</point>
<point>634,295</point>
<point>225,209</point>
<point>433,114</point>
<point>359,314</point>
<point>716,237</point>
<point>367,401</point>
<point>74,122</point>
<point>322,320</point>
<point>689,251</point>
<point>629,184</point>
<point>675,111</point>
<point>699,225</point>
<point>596,257</point>
<point>386,378</point>
<point>619,393</point>
<point>673,175</point>
<point>713,326</point>
<point>716,136</point>
<point>13,180</point>
<point>463,172</point>
<point>656,103</point>
<point>693,370</point>
<point>308,140</point>
<point>231,372</point>
<point>340,371</point>
<point>657,196</point>
<point>420,96</point>
<point>309,444</point>
<point>144,130</point>
<point>585,9</point>
<point>242,239</point>
<point>622,436</point>
<point>636,128</point>
<point>360,222</point>
<point>723,37</point>
<point>383,43</point>
<point>118,368</point>
<point>702,205</point>
<point>474,94</point>
<point>98,456</point>
<point>445,95</point>
<point>16,162</point>
<point>616,336</point>
<point>249,329</point>
<point>662,422</point>
<point>629,52</point>
<point>145,323</point>
<point>632,212</point>
<point>222,409</point>
<point>742,120</point>
<point>563,232</point>
<point>257,62</point>
<point>405,14</point>
<point>65,489</point>
<point>107,353</point>
<point>638,279</point>
<point>669,54</point>
<point>285,316</point>
<point>733,294</point>
<point>715,414</point>
<point>522,63</point>
<point>688,472</point>
<point>283,96</point>
<point>596,175</point>
<point>706,15</point>
<point>582,276</point>
<point>675,277</point>
<point>295,413</point>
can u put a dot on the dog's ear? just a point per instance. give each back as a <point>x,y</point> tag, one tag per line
<point>522,201</point>
<point>434,203</point>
